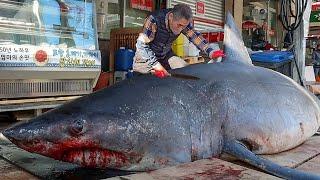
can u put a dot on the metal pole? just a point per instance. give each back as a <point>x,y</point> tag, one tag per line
<point>122,4</point>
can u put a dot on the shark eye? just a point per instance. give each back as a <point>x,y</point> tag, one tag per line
<point>77,127</point>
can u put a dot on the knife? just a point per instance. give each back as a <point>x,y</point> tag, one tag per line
<point>161,74</point>
<point>184,76</point>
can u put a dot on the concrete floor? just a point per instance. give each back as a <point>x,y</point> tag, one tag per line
<point>9,171</point>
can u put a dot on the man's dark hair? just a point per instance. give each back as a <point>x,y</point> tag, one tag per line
<point>180,11</point>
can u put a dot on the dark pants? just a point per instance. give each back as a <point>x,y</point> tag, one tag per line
<point>316,69</point>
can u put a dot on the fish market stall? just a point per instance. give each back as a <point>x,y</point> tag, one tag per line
<point>218,125</point>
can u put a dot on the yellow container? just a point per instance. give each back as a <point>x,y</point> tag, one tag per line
<point>177,46</point>
<point>180,39</point>
<point>178,49</point>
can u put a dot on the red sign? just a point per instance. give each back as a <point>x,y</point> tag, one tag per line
<point>200,7</point>
<point>213,37</point>
<point>316,6</point>
<point>249,25</point>
<point>135,4</point>
<point>271,32</point>
<point>146,5</point>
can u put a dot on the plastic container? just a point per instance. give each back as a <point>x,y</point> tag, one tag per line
<point>178,50</point>
<point>177,46</point>
<point>179,40</point>
<point>122,75</point>
<point>280,61</point>
<point>119,76</point>
<point>103,81</point>
<point>124,59</point>
<point>272,56</point>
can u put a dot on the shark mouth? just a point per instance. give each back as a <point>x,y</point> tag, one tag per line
<point>95,158</point>
<point>87,155</point>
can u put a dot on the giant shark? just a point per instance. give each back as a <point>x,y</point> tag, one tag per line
<point>147,123</point>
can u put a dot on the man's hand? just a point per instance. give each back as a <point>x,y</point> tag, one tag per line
<point>160,74</point>
<point>217,54</point>
<point>159,71</point>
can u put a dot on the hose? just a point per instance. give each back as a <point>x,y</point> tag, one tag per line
<point>293,9</point>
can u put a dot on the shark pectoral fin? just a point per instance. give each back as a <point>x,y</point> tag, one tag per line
<point>239,150</point>
<point>234,47</point>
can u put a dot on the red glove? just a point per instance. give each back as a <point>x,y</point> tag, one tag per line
<point>217,54</point>
<point>160,74</point>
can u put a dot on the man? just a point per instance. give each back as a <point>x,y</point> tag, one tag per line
<point>288,39</point>
<point>316,60</point>
<point>258,42</point>
<point>154,53</point>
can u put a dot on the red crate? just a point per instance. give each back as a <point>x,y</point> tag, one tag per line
<point>103,81</point>
<point>213,37</point>
<point>205,35</point>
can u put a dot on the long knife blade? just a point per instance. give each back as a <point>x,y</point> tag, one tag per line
<point>184,76</point>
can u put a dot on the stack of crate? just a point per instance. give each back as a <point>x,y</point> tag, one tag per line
<point>186,50</point>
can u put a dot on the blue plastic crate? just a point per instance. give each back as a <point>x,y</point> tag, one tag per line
<point>124,59</point>
<point>272,56</point>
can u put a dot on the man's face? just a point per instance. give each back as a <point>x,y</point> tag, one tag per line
<point>177,25</point>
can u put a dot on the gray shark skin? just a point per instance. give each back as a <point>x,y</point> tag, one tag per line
<point>146,123</point>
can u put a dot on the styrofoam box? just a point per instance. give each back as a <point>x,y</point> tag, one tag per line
<point>119,76</point>
<point>191,50</point>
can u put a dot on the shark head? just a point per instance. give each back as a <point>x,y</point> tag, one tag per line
<point>109,129</point>
<point>84,139</point>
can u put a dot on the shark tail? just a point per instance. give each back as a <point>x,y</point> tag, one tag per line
<point>235,148</point>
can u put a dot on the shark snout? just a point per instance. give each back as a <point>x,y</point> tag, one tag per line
<point>15,136</point>
<point>9,134</point>
<point>18,134</point>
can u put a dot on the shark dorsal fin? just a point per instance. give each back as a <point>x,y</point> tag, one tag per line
<point>234,47</point>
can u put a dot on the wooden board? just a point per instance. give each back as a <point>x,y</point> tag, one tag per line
<point>34,103</point>
<point>305,157</point>
<point>11,172</point>
<point>298,155</point>
<point>313,165</point>
<point>36,100</point>
<point>203,169</point>
<point>194,60</point>
<point>314,88</point>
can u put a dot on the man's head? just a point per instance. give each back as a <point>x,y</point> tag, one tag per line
<point>179,18</point>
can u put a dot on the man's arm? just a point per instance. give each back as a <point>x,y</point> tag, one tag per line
<point>143,49</point>
<point>201,43</point>
<point>144,53</point>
